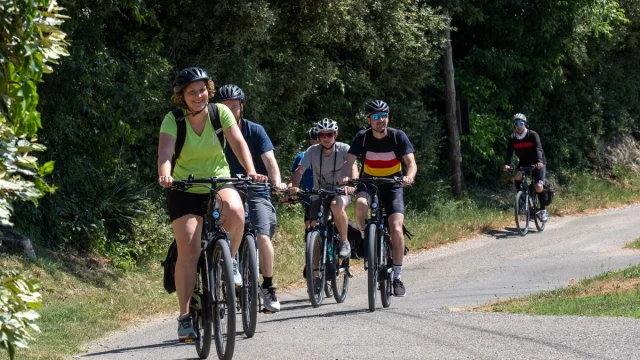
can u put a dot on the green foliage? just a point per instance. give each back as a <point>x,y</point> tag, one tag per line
<point>19,297</point>
<point>31,41</point>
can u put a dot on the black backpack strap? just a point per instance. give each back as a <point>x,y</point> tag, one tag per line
<point>214,116</point>
<point>181,134</point>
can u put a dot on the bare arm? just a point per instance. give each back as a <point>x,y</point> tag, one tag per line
<point>273,170</point>
<point>240,149</point>
<point>349,165</point>
<point>297,175</point>
<point>412,168</point>
<point>166,147</point>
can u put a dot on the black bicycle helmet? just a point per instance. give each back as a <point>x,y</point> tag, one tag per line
<point>187,76</point>
<point>312,134</point>
<point>230,92</point>
<point>375,106</point>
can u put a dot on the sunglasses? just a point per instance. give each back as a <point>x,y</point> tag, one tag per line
<point>326,135</point>
<point>518,123</point>
<point>379,116</point>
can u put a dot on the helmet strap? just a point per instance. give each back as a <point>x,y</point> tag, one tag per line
<point>194,113</point>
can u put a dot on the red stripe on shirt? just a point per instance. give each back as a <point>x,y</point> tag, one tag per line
<point>381,164</point>
<point>523,145</point>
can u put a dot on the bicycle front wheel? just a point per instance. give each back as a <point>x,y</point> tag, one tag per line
<point>372,272</point>
<point>522,213</point>
<point>224,300</point>
<point>315,268</point>
<point>250,283</point>
<point>385,282</point>
<point>200,310</point>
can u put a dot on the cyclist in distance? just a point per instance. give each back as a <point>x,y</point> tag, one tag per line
<point>327,160</point>
<point>262,214</point>
<point>527,146</point>
<point>201,155</point>
<point>384,150</point>
<point>307,177</point>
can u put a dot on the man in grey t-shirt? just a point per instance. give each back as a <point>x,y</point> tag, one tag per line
<point>327,159</point>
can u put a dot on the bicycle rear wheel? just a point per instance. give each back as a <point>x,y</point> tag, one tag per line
<point>385,282</point>
<point>316,275</point>
<point>250,283</point>
<point>522,214</point>
<point>372,259</point>
<point>340,284</point>
<point>200,310</point>
<point>537,217</point>
<point>224,300</point>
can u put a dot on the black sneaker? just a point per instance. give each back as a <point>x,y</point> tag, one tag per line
<point>398,288</point>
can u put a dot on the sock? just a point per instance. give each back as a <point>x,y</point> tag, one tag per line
<point>516,184</point>
<point>397,272</point>
<point>541,204</point>
<point>267,283</point>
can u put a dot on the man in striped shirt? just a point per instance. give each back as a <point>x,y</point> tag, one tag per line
<point>384,148</point>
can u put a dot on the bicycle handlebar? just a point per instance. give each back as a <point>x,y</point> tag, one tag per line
<point>526,169</point>
<point>375,181</point>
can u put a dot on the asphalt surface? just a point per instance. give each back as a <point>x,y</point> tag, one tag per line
<point>425,323</point>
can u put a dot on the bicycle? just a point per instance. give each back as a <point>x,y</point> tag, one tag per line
<point>214,297</point>
<point>526,203</point>
<point>379,260</point>
<point>248,263</point>
<point>321,244</point>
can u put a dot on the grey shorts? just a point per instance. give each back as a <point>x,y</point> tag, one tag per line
<point>262,214</point>
<point>314,209</point>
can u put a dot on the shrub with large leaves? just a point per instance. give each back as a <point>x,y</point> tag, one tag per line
<point>19,297</point>
<point>31,41</point>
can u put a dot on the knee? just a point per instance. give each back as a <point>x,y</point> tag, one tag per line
<point>362,204</point>
<point>539,188</point>
<point>337,208</point>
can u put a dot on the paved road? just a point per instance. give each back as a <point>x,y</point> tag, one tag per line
<point>421,326</point>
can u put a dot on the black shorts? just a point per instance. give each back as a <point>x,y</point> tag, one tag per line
<point>538,174</point>
<point>307,212</point>
<point>391,195</point>
<point>181,203</point>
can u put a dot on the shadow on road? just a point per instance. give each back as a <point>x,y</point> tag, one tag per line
<point>164,344</point>
<point>325,315</point>
<point>507,233</point>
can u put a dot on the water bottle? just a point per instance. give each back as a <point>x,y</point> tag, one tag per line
<point>330,250</point>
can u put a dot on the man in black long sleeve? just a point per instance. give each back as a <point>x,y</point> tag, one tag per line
<point>526,144</point>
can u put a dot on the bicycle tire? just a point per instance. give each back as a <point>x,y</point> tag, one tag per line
<point>224,300</point>
<point>373,267</point>
<point>521,214</point>
<point>312,245</point>
<point>250,284</point>
<point>385,284</point>
<point>201,316</point>
<point>340,284</point>
<point>536,217</point>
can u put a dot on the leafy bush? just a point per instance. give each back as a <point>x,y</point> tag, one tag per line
<point>19,297</point>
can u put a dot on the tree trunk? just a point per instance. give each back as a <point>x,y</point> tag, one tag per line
<point>455,158</point>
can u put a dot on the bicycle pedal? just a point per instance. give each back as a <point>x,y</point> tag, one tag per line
<point>186,340</point>
<point>349,274</point>
<point>265,311</point>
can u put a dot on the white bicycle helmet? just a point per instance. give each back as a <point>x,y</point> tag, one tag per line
<point>327,124</point>
<point>520,116</point>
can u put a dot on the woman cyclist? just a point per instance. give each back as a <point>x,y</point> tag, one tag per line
<point>202,155</point>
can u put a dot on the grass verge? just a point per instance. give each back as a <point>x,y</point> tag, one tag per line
<point>616,293</point>
<point>83,300</point>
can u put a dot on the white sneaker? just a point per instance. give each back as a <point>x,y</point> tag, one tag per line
<point>237,278</point>
<point>544,216</point>
<point>345,249</point>
<point>269,299</point>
